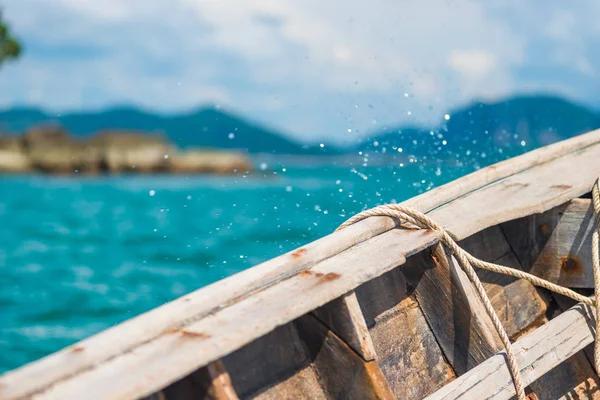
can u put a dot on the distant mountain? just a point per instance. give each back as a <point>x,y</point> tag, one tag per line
<point>207,127</point>
<point>480,130</point>
<point>495,131</point>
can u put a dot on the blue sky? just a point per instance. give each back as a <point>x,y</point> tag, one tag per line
<point>313,69</point>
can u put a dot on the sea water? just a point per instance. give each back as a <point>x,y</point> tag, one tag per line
<point>81,254</point>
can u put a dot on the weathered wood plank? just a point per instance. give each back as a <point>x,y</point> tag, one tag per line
<point>575,376</point>
<point>196,305</point>
<point>345,374</point>
<point>518,304</point>
<point>344,317</point>
<point>556,245</point>
<point>527,236</point>
<point>304,359</point>
<point>208,383</point>
<point>174,355</point>
<point>453,309</point>
<point>533,191</point>
<point>537,353</point>
<point>566,258</point>
<point>274,366</point>
<point>573,379</point>
<point>408,354</point>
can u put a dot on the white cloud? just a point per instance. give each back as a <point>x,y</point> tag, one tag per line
<point>309,67</point>
<point>472,62</point>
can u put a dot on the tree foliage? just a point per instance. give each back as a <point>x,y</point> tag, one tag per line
<point>9,46</point>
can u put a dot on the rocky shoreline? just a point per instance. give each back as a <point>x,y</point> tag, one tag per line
<point>52,150</point>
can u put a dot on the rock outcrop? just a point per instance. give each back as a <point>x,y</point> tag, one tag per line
<point>200,160</point>
<point>50,149</point>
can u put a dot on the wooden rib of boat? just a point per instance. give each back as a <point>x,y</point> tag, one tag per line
<point>374,310</point>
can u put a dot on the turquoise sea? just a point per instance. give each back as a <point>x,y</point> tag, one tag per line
<point>80,254</point>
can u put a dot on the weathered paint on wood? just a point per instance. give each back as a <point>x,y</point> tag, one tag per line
<point>453,309</point>
<point>131,337</point>
<point>344,317</point>
<point>407,351</point>
<point>536,353</point>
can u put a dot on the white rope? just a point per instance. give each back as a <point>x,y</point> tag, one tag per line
<point>415,218</point>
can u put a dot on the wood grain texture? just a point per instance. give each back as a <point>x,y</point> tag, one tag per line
<point>266,364</point>
<point>344,373</point>
<point>529,192</point>
<point>566,258</point>
<point>537,353</point>
<point>304,359</point>
<point>519,305</point>
<point>575,377</point>
<point>408,354</point>
<point>453,309</point>
<point>344,317</point>
<point>541,188</point>
<point>572,379</point>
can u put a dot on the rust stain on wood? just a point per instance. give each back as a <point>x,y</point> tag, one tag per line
<point>380,388</point>
<point>545,228</point>
<point>199,335</point>
<point>571,264</point>
<point>332,276</point>
<point>561,187</point>
<point>298,253</point>
<point>515,184</point>
<point>190,334</point>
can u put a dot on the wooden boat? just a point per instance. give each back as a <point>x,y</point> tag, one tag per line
<point>367,312</point>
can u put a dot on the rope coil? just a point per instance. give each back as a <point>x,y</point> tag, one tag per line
<point>415,218</point>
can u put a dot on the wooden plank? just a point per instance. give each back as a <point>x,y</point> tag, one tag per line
<point>304,359</point>
<point>573,379</point>
<point>577,374</point>
<point>528,235</point>
<point>345,374</point>
<point>534,191</point>
<point>453,309</point>
<point>536,353</point>
<point>518,304</point>
<point>408,354</point>
<point>175,354</point>
<point>566,258</point>
<point>344,317</point>
<point>208,383</point>
<point>274,366</point>
<point>201,303</point>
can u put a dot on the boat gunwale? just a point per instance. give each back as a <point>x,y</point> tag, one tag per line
<point>428,202</point>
